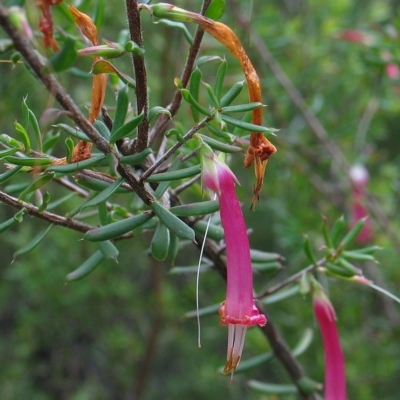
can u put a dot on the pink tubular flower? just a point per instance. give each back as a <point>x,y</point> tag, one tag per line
<point>359,179</point>
<point>335,378</point>
<point>238,311</point>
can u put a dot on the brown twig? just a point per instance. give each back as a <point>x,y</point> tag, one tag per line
<point>45,215</point>
<point>135,29</point>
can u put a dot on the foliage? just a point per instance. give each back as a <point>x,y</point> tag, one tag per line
<point>99,248</point>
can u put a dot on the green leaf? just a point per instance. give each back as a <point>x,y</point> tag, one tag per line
<point>175,175</point>
<point>281,295</point>
<point>304,343</point>
<point>180,26</point>
<point>116,229</point>
<point>73,131</point>
<point>211,95</point>
<point>65,58</point>
<point>23,134</point>
<point>160,242</point>
<point>191,100</point>
<point>98,17</point>
<point>226,136</point>
<point>358,255</point>
<point>50,142</point>
<point>220,146</point>
<point>122,109</point>
<point>5,176</point>
<point>325,233</point>
<point>77,166</point>
<point>102,128</point>
<point>194,88</point>
<point>214,232</point>
<point>136,159</point>
<point>231,94</point>
<point>108,250</point>
<point>28,161</point>
<point>190,270</point>
<point>105,67</point>
<point>308,250</point>
<point>247,126</point>
<point>16,219</point>
<point>9,141</point>
<point>173,249</point>
<point>69,147</point>
<point>87,267</point>
<point>267,268</point>
<point>270,388</point>
<point>164,185</point>
<point>32,244</point>
<point>45,202</point>
<point>216,9</point>
<point>37,184</point>
<point>258,256</point>
<point>127,129</point>
<point>97,185</point>
<point>172,222</point>
<point>196,209</point>
<point>36,130</point>
<point>219,80</point>
<point>104,195</point>
<point>240,108</point>
<point>337,230</point>
<point>353,233</point>
<point>157,110</point>
<point>8,152</point>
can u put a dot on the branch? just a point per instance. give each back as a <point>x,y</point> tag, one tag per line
<point>175,147</point>
<point>135,29</point>
<point>45,215</point>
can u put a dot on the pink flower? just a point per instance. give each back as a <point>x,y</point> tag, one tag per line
<point>392,71</point>
<point>359,179</point>
<point>335,378</point>
<point>238,311</point>
<point>355,36</point>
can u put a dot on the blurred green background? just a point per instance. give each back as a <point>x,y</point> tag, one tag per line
<point>120,332</point>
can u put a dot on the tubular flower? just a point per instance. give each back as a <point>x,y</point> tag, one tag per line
<point>238,311</point>
<point>335,379</point>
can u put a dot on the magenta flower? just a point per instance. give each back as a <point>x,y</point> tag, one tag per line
<point>359,179</point>
<point>238,311</point>
<point>335,378</point>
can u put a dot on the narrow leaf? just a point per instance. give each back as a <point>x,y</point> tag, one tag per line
<point>104,195</point>
<point>174,175</point>
<point>231,94</point>
<point>160,242</point>
<point>219,80</point>
<point>23,134</point>
<point>136,159</point>
<point>87,267</point>
<point>28,161</point>
<point>122,109</point>
<point>108,250</point>
<point>5,176</point>
<point>65,58</point>
<point>16,219</point>
<point>37,184</point>
<point>32,244</point>
<point>78,166</point>
<point>220,146</point>
<point>116,229</point>
<point>157,110</point>
<point>270,388</point>
<point>196,209</point>
<point>127,129</point>
<point>194,88</point>
<point>172,222</point>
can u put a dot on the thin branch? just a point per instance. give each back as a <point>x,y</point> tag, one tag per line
<point>163,119</point>
<point>174,148</point>
<point>135,29</point>
<point>45,215</point>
